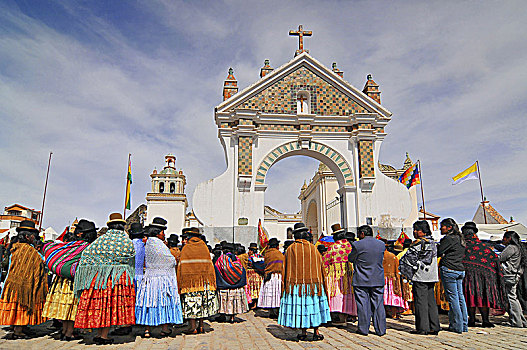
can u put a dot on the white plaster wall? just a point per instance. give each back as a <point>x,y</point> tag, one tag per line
<point>277,229</point>
<point>172,211</point>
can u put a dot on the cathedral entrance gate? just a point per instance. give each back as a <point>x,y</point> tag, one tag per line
<point>301,108</point>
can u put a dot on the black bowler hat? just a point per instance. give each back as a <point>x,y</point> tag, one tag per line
<point>300,227</point>
<point>27,225</point>
<point>273,242</point>
<point>253,246</point>
<point>173,238</point>
<point>159,223</point>
<point>471,225</point>
<point>84,226</point>
<point>191,232</point>
<point>136,230</point>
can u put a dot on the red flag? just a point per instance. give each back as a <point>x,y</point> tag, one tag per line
<point>402,237</point>
<point>379,236</point>
<point>61,237</point>
<point>262,235</point>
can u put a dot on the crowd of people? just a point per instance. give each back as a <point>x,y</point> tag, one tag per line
<point>121,278</point>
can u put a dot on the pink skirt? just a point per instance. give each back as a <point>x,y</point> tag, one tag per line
<point>392,299</point>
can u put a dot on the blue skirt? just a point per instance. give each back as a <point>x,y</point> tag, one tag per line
<point>157,302</point>
<point>303,311</point>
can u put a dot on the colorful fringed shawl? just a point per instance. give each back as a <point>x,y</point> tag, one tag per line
<point>62,258</point>
<point>244,259</point>
<point>274,261</point>
<point>109,256</point>
<point>195,270</point>
<point>303,267</point>
<point>339,270</point>
<point>390,264</point>
<point>26,281</point>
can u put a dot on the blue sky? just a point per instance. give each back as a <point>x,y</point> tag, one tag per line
<point>94,80</point>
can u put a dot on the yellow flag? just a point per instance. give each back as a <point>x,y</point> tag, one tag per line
<point>471,173</point>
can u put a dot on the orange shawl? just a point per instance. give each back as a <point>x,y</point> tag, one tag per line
<point>244,259</point>
<point>391,271</point>
<point>26,282</point>
<point>195,270</point>
<point>176,253</point>
<point>303,267</point>
<point>273,260</point>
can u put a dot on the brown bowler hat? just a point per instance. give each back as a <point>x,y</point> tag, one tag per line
<point>116,217</point>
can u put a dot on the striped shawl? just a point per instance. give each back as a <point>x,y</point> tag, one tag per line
<point>195,271</point>
<point>62,258</point>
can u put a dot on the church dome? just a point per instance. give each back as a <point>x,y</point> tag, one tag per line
<point>168,170</point>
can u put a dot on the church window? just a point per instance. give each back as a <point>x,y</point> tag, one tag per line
<point>161,187</point>
<point>303,101</point>
<point>172,187</point>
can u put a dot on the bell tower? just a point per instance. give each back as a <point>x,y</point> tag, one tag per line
<point>167,198</point>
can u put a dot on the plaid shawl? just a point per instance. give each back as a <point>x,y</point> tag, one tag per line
<point>26,281</point>
<point>274,261</point>
<point>230,270</point>
<point>195,270</point>
<point>303,267</point>
<point>62,258</point>
<point>108,257</point>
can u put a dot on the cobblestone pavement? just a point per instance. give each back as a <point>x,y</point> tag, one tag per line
<point>256,331</point>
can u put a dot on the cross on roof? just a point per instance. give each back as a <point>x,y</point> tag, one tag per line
<point>300,33</point>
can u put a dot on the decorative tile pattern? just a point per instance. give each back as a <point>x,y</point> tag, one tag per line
<point>224,125</point>
<point>281,97</point>
<point>277,127</point>
<point>245,122</point>
<point>305,127</point>
<point>330,128</point>
<point>314,146</point>
<point>366,166</point>
<point>245,155</point>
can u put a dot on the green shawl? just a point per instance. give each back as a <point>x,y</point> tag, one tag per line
<point>109,256</point>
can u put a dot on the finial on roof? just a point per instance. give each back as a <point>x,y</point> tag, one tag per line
<point>266,69</point>
<point>266,62</point>
<point>334,65</point>
<point>368,77</point>
<point>231,71</point>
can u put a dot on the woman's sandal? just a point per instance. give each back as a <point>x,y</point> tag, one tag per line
<point>200,330</point>
<point>146,334</point>
<point>191,332</point>
<point>14,336</point>
<point>301,337</point>
<point>73,337</point>
<point>166,334</point>
<point>317,337</point>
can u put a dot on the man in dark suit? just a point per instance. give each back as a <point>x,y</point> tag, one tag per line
<point>368,281</point>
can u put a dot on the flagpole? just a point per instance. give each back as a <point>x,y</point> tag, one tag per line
<point>45,190</point>
<point>422,192</point>
<point>126,187</point>
<point>482,197</point>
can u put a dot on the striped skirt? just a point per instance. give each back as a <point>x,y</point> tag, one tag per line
<point>233,301</point>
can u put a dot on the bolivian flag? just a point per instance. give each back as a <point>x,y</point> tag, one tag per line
<point>469,174</point>
<point>128,183</point>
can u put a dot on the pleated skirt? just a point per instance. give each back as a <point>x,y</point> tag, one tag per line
<point>61,303</point>
<point>254,281</point>
<point>392,299</point>
<point>14,314</point>
<point>233,301</point>
<point>271,292</point>
<point>107,307</point>
<point>200,304</point>
<point>303,311</point>
<point>157,302</point>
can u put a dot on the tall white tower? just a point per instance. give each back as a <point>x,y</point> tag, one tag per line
<point>168,199</point>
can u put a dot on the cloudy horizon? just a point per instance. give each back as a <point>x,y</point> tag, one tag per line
<point>94,81</point>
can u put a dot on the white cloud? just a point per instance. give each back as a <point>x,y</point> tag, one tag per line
<point>453,74</point>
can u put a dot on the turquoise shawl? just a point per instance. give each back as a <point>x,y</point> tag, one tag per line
<point>109,256</point>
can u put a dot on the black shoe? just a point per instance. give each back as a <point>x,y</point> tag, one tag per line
<point>122,331</point>
<point>419,332</point>
<point>301,337</point>
<point>433,333</point>
<point>102,341</point>
<point>360,333</point>
<point>487,325</point>
<point>317,337</point>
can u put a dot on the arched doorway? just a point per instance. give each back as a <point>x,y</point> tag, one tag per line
<point>312,219</point>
